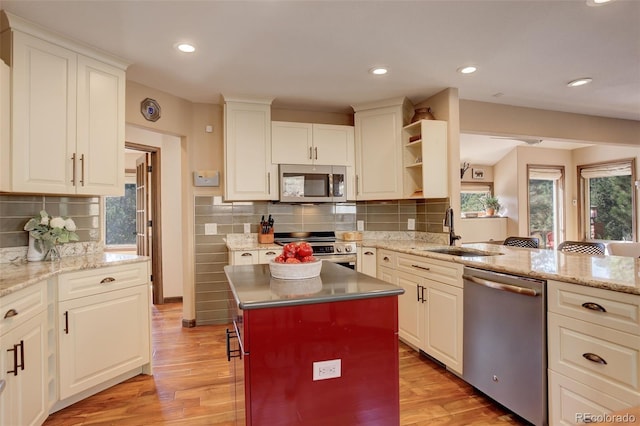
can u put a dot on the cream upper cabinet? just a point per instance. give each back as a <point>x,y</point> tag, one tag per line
<point>378,149</point>
<point>307,143</point>
<point>67,117</point>
<point>425,161</point>
<point>249,172</point>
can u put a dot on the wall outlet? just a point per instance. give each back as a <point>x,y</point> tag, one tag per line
<point>247,228</point>
<point>411,224</point>
<point>360,225</point>
<point>210,228</point>
<point>330,369</point>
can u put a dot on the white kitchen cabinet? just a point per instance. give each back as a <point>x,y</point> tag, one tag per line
<point>378,149</point>
<point>24,356</point>
<point>267,255</point>
<point>425,161</point>
<point>307,143</point>
<point>593,351</point>
<point>244,257</point>
<point>367,261</point>
<point>249,172</point>
<point>67,116</point>
<point>103,327</point>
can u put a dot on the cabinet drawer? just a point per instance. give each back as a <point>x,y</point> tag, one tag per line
<point>101,280</point>
<point>620,311</point>
<point>444,272</point>
<point>245,257</point>
<point>606,359</point>
<point>265,256</point>
<point>387,258</point>
<point>21,305</point>
<point>572,402</point>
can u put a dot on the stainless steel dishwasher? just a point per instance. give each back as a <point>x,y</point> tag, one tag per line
<point>505,343</point>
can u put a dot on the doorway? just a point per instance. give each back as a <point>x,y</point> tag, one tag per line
<point>545,201</point>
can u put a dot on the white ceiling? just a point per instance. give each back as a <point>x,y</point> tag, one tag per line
<point>316,54</point>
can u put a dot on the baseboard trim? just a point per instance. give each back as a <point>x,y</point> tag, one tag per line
<point>172,299</point>
<point>188,323</point>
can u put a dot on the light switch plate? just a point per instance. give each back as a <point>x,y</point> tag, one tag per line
<point>360,225</point>
<point>210,228</point>
<point>247,228</point>
<point>411,224</point>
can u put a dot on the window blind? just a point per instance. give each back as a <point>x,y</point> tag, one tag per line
<point>606,170</point>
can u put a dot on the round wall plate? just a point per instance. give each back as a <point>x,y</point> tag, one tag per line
<point>150,109</point>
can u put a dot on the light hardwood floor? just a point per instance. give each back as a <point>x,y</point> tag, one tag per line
<point>190,386</point>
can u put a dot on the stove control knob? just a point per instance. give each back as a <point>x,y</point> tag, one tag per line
<point>338,249</point>
<point>347,249</point>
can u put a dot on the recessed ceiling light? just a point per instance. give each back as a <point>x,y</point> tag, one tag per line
<point>378,71</point>
<point>467,70</point>
<point>597,2</point>
<point>579,82</point>
<point>185,47</point>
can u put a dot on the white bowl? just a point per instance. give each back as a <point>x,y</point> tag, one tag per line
<point>295,271</point>
<point>293,288</point>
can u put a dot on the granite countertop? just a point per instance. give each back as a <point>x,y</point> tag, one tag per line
<point>17,275</point>
<point>615,273</point>
<point>254,288</point>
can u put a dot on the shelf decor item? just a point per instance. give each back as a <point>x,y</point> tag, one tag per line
<point>423,114</point>
<point>46,234</point>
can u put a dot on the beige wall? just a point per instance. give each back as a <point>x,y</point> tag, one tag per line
<point>506,120</point>
<point>505,187</point>
<point>488,174</point>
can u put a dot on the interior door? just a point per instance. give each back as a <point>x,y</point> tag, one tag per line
<point>143,247</point>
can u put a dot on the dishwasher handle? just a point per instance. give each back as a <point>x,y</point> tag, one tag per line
<point>525,291</point>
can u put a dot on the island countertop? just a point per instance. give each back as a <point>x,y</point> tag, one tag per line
<point>253,287</point>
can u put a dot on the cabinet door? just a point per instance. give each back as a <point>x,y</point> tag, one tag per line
<point>245,257</point>
<point>409,309</point>
<point>100,138</point>
<point>332,144</point>
<point>378,153</point>
<point>442,338</point>
<point>25,399</point>
<point>435,166</point>
<point>369,261</point>
<point>43,116</point>
<point>291,143</point>
<point>101,337</point>
<point>249,174</point>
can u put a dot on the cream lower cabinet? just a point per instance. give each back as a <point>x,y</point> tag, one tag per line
<point>430,310</point>
<point>67,116</point>
<point>103,327</point>
<point>252,257</point>
<point>367,261</point>
<point>24,357</point>
<point>593,352</point>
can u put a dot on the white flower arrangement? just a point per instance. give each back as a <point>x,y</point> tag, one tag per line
<point>50,231</point>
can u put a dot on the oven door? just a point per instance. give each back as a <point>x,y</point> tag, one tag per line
<point>346,260</point>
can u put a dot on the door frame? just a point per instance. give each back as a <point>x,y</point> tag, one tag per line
<point>155,205</point>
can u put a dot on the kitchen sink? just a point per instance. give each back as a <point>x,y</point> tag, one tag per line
<point>460,251</point>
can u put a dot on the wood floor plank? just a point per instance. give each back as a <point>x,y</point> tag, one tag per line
<point>191,386</point>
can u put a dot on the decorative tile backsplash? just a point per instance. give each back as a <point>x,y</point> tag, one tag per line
<point>16,210</point>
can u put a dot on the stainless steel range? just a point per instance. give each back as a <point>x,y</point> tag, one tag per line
<point>325,246</point>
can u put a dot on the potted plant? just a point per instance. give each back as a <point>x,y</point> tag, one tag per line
<point>491,205</point>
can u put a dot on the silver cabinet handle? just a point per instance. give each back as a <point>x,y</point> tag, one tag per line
<point>11,313</point>
<point>73,169</point>
<point>424,268</point>
<point>268,182</point>
<point>310,153</point>
<point>82,170</point>
<point>501,286</point>
<point>316,149</point>
<point>246,254</point>
<point>107,280</point>
<point>357,186</point>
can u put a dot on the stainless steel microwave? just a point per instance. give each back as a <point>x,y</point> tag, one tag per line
<point>313,184</point>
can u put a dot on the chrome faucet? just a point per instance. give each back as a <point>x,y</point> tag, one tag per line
<point>448,221</point>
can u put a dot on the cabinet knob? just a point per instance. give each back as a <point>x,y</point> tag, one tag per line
<point>246,254</point>
<point>270,253</point>
<point>593,306</point>
<point>107,280</point>
<point>367,253</point>
<point>594,358</point>
<point>11,313</point>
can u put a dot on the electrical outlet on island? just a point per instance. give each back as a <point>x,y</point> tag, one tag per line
<point>330,369</point>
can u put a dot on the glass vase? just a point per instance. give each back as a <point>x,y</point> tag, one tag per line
<point>33,254</point>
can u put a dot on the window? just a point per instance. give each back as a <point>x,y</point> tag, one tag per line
<point>546,198</point>
<point>120,217</point>
<point>607,200</point>
<point>470,195</point>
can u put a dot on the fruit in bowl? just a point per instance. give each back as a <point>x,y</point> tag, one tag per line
<point>295,262</point>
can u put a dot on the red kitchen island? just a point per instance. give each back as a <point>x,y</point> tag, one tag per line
<point>322,351</point>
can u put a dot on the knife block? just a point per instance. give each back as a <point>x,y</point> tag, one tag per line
<point>265,238</point>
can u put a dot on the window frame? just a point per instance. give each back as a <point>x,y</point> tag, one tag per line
<point>129,178</point>
<point>561,195</point>
<point>474,184</point>
<point>583,227</point>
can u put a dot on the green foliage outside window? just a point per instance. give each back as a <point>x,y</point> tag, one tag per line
<point>541,206</point>
<point>120,215</point>
<point>610,201</point>
<point>472,201</point>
